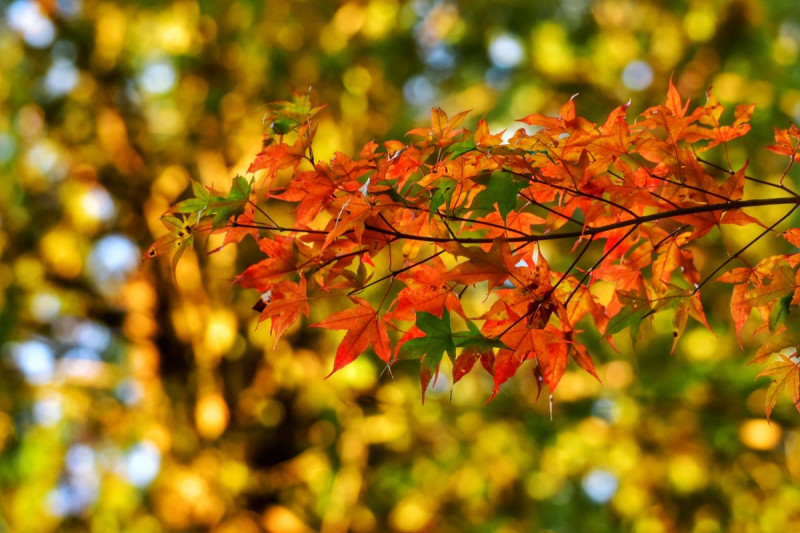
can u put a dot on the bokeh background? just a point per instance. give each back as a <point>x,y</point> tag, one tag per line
<point>132,402</point>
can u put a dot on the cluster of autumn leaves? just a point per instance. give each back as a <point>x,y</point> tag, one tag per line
<point>420,223</point>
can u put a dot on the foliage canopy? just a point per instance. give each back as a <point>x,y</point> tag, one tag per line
<point>449,213</point>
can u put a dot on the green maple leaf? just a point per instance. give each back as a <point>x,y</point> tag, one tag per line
<point>225,207</point>
<point>461,148</point>
<point>438,339</point>
<point>475,339</point>
<point>501,189</point>
<point>442,195</point>
<point>221,207</point>
<point>198,204</point>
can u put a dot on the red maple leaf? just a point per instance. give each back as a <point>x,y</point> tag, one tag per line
<point>364,327</point>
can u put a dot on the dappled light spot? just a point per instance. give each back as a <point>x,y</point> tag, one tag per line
<point>440,58</point>
<point>80,487</point>
<point>69,8</point>
<point>211,415</point>
<point>357,80</point>
<point>48,410</point>
<point>62,251</point>
<point>111,260</point>
<point>157,77</point>
<point>617,374</point>
<point>759,434</point>
<point>542,486</point>
<point>142,464</point>
<point>505,51</point>
<point>703,345</point>
<point>270,413</point>
<point>700,24</point>
<point>84,367</point>
<point>551,50</point>
<point>279,519</point>
<point>48,159</point>
<point>130,391</point>
<point>8,147</point>
<point>420,92</point>
<point>97,204</point>
<point>412,513</point>
<point>637,75</point>
<point>85,334</point>
<point>600,485</point>
<point>69,499</point>
<point>687,473</point>
<point>220,332</point>
<point>30,121</point>
<point>27,18</point>
<point>45,306</point>
<point>35,359</point>
<point>61,78</point>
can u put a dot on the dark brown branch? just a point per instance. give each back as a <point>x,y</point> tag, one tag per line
<point>743,248</point>
<point>587,232</point>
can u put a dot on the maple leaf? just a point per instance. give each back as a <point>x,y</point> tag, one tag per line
<point>787,141</point>
<point>179,237</point>
<point>781,283</point>
<point>437,339</point>
<point>275,157</point>
<point>425,290</point>
<point>633,309</point>
<point>505,365</point>
<point>740,306</point>
<point>793,236</point>
<point>684,305</point>
<point>281,259</point>
<point>552,355</point>
<point>433,337</point>
<point>465,361</point>
<point>232,205</point>
<point>501,192</point>
<point>775,345</point>
<point>581,302</point>
<point>673,256</point>
<point>403,162</point>
<point>724,133</point>
<point>364,327</point>
<point>672,116</point>
<point>581,356</point>
<point>209,203</point>
<point>243,226</point>
<point>198,204</point>
<point>786,377</point>
<point>351,214</point>
<point>313,190</point>
<point>461,148</point>
<point>515,224</point>
<point>485,140</point>
<point>443,129</point>
<point>494,266</point>
<point>283,303</point>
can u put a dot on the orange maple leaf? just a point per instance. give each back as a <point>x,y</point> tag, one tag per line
<point>283,303</point>
<point>364,328</point>
<point>281,257</point>
<point>786,376</point>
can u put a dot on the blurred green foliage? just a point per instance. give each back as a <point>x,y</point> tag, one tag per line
<point>132,403</point>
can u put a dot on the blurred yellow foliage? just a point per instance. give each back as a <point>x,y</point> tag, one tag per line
<point>132,402</point>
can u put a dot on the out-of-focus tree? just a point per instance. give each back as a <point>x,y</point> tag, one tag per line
<point>132,403</point>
